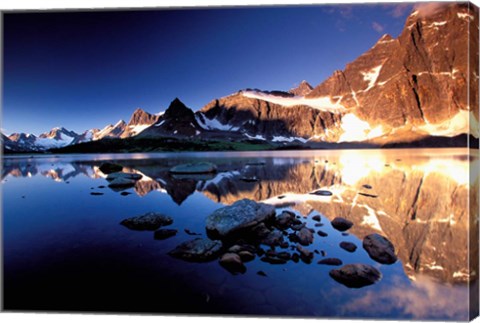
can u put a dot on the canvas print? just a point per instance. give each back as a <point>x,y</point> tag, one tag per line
<point>312,161</point>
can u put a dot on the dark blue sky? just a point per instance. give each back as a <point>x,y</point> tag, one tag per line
<point>83,70</point>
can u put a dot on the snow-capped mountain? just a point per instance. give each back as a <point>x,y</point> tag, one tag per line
<point>55,138</point>
<point>139,121</point>
<point>421,85</point>
<point>61,137</point>
<point>401,89</point>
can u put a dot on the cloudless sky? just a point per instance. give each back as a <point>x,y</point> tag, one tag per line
<point>87,69</point>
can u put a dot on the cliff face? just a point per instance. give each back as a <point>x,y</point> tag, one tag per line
<point>402,89</point>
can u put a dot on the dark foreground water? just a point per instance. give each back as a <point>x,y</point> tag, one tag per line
<point>64,249</point>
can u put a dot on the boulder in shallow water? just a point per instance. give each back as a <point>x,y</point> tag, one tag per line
<point>122,183</point>
<point>304,236</point>
<point>379,249</point>
<point>194,168</point>
<point>330,262</point>
<point>285,219</point>
<point>341,224</point>
<point>356,275</point>
<point>240,215</point>
<point>348,246</point>
<point>197,250</point>
<point>148,221</point>
<point>132,176</point>
<point>233,263</point>
<point>321,193</point>
<point>163,234</point>
<point>108,168</point>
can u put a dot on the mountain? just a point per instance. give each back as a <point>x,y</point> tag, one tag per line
<point>419,89</point>
<point>302,89</point>
<point>111,131</point>
<point>401,89</point>
<point>60,137</point>
<point>139,121</point>
<point>55,138</point>
<point>177,121</point>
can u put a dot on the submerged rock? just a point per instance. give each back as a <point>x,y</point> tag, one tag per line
<point>304,236</point>
<point>317,218</point>
<point>96,193</point>
<point>131,176</point>
<point>285,219</point>
<point>305,254</point>
<point>108,168</point>
<point>341,224</point>
<point>273,238</point>
<point>194,168</point>
<point>321,193</point>
<point>240,215</point>
<point>379,249</point>
<point>233,263</point>
<point>246,255</point>
<point>330,262</point>
<point>197,250</point>
<point>321,233</point>
<point>148,221</point>
<point>348,246</point>
<point>163,234</point>
<point>121,182</point>
<point>356,275</point>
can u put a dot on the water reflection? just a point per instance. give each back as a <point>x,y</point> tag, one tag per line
<point>418,199</point>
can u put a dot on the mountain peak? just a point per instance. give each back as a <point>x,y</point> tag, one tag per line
<point>141,117</point>
<point>302,89</point>
<point>177,109</point>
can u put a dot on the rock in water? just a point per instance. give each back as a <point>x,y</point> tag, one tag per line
<point>108,168</point>
<point>379,249</point>
<point>356,275</point>
<point>341,224</point>
<point>233,263</point>
<point>348,246</point>
<point>284,220</point>
<point>330,262</point>
<point>240,215</point>
<point>197,250</point>
<point>131,176</point>
<point>121,182</point>
<point>163,234</point>
<point>322,193</point>
<point>194,168</point>
<point>148,221</point>
<point>304,236</point>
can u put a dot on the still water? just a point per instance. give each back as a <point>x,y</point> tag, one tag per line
<point>65,250</point>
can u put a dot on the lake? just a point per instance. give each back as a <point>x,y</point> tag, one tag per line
<point>64,249</point>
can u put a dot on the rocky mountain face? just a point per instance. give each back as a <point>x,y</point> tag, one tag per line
<point>402,89</point>
<point>139,121</point>
<point>302,89</point>
<point>177,121</point>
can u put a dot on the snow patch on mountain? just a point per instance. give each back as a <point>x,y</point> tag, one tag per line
<point>371,76</point>
<point>135,130</point>
<point>463,122</point>
<point>321,103</point>
<point>213,124</point>
<point>47,143</point>
<point>355,129</point>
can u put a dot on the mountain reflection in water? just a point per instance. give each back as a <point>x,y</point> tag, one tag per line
<point>418,199</point>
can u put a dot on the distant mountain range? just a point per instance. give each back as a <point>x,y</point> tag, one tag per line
<point>419,87</point>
